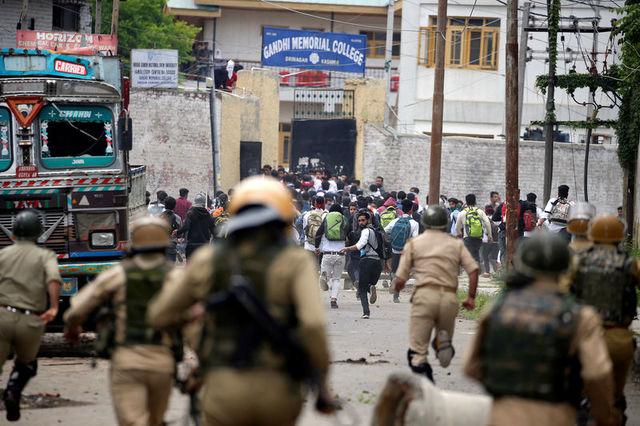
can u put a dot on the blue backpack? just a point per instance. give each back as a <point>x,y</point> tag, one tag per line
<point>400,233</point>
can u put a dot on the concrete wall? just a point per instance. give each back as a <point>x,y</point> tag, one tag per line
<point>474,99</point>
<point>478,166</point>
<point>368,96</point>
<point>172,133</point>
<point>172,137</point>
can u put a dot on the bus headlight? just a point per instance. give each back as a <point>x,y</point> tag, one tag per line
<point>102,239</point>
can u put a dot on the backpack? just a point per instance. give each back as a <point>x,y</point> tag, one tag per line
<point>473,223</point>
<point>313,224</point>
<point>400,233</point>
<point>334,228</point>
<point>559,211</point>
<point>387,216</point>
<point>382,248</point>
<point>530,219</point>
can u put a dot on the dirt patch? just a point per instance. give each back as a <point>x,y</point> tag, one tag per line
<point>45,400</point>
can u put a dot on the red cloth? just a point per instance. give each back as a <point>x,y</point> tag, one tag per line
<point>182,207</point>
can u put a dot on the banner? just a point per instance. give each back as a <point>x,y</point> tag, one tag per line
<point>65,41</point>
<point>314,50</point>
<point>154,68</point>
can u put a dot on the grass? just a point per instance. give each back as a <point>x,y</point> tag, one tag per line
<point>483,300</point>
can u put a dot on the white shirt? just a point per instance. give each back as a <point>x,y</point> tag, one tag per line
<point>310,245</point>
<point>546,214</point>
<point>415,229</point>
<point>327,245</point>
<point>363,244</point>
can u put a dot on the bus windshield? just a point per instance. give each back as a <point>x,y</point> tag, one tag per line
<point>76,136</point>
<point>5,139</point>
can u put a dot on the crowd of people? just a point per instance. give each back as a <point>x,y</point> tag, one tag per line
<point>251,283</point>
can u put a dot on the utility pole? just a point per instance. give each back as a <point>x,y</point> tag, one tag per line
<point>388,56</point>
<point>512,129</point>
<point>23,15</point>
<point>98,26</point>
<point>522,61</point>
<point>437,106</point>
<point>115,15</point>
<point>212,111</point>
<point>592,111</point>
<point>553,12</point>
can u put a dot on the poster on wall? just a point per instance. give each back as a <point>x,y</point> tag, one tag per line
<point>154,68</point>
<point>315,50</point>
<point>66,41</point>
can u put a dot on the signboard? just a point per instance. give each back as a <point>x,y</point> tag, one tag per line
<point>154,68</point>
<point>314,50</point>
<point>26,172</point>
<point>65,41</point>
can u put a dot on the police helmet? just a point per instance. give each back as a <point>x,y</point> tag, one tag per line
<point>436,217</point>
<point>580,214</point>
<point>150,234</point>
<point>257,201</point>
<point>27,225</point>
<point>607,229</point>
<point>544,253</point>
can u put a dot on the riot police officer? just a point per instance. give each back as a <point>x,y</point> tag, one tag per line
<point>606,277</point>
<point>28,274</point>
<point>248,377</point>
<point>580,215</point>
<point>142,362</point>
<point>435,258</point>
<point>537,350</point>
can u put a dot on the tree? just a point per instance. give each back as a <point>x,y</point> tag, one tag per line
<point>628,126</point>
<point>143,25</point>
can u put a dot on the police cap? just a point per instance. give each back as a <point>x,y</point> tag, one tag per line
<point>435,217</point>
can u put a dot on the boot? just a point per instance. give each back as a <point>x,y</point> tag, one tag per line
<point>20,376</point>
<point>422,369</point>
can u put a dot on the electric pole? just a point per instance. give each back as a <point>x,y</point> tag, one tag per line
<point>553,11</point>
<point>212,111</point>
<point>437,106</point>
<point>592,111</point>
<point>512,129</point>
<point>98,26</point>
<point>522,61</point>
<point>115,15</point>
<point>388,56</point>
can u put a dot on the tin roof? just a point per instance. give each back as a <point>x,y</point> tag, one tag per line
<point>190,8</point>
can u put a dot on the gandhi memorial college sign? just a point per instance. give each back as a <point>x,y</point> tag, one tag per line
<point>65,41</point>
<point>154,68</point>
<point>314,50</point>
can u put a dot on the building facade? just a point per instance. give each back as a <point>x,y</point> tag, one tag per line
<point>474,87</point>
<point>238,36</point>
<point>43,15</point>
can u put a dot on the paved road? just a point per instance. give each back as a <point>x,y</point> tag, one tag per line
<point>381,341</point>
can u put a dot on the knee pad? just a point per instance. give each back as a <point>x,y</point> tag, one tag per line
<point>21,374</point>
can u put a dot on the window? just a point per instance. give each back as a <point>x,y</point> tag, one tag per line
<point>376,44</point>
<point>66,16</point>
<point>471,43</point>
<point>76,136</point>
<point>284,130</point>
<point>6,157</point>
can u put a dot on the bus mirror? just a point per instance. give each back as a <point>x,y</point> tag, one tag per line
<point>125,134</point>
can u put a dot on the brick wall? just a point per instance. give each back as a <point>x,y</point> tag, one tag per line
<point>477,165</point>
<point>172,138</point>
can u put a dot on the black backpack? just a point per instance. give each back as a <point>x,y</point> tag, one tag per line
<point>383,249</point>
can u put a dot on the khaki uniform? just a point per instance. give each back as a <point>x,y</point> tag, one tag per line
<point>229,395</point>
<point>589,346</point>
<point>141,375</point>
<point>25,271</point>
<point>435,258</point>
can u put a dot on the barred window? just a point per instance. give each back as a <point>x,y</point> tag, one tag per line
<point>472,43</point>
